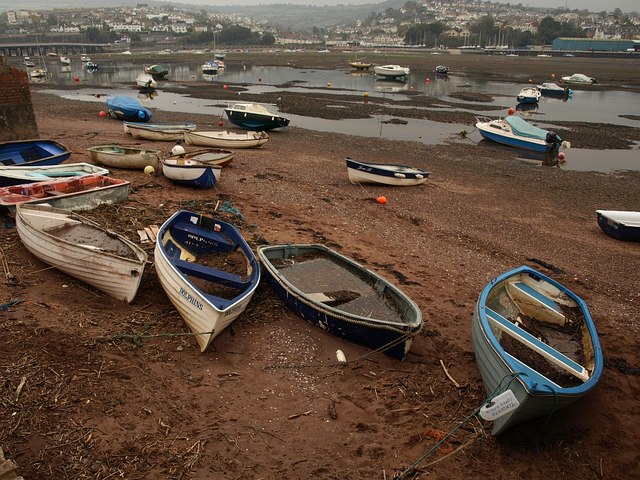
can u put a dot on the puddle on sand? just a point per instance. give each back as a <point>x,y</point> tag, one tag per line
<point>322,275</point>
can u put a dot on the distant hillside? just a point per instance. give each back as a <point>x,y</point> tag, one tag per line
<point>51,4</point>
<point>281,15</point>
<point>303,16</point>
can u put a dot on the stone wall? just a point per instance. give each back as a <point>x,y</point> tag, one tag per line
<point>17,120</point>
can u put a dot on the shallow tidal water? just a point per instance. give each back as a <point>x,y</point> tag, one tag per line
<point>609,107</point>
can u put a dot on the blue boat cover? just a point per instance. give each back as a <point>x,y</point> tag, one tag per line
<point>521,127</point>
<point>131,108</point>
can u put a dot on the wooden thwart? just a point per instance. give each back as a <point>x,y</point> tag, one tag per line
<point>333,298</point>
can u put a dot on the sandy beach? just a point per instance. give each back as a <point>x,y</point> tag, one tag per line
<point>94,388</point>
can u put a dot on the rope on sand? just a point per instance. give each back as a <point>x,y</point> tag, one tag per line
<point>499,389</point>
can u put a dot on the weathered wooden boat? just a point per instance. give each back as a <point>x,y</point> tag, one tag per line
<point>207,270</point>
<point>79,193</point>
<point>535,344</point>
<point>156,70</point>
<point>225,139</point>
<point>191,172</point>
<point>392,71</point>
<point>83,249</point>
<point>132,158</point>
<point>620,224</point>
<point>342,297</point>
<point>517,132</point>
<point>360,65</point>
<point>16,175</point>
<point>253,116</point>
<point>33,153</point>
<point>212,156</point>
<point>384,173</point>
<point>528,95</point>
<point>165,132</point>
<point>128,108</point>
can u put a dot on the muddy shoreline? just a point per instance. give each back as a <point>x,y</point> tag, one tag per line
<point>93,388</point>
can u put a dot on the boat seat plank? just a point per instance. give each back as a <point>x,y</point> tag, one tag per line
<point>535,304</point>
<point>185,228</point>
<point>533,375</point>
<point>212,274</point>
<point>548,352</point>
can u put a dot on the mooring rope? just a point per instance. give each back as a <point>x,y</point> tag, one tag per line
<point>499,389</point>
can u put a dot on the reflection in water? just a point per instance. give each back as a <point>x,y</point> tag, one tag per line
<point>391,86</point>
<point>527,109</point>
<point>147,93</point>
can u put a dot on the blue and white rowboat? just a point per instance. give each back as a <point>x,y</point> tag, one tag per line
<point>535,338</point>
<point>529,95</point>
<point>207,297</point>
<point>342,297</point>
<point>384,173</point>
<point>191,172</point>
<point>619,224</point>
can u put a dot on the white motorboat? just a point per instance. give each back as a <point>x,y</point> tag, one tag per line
<point>391,71</point>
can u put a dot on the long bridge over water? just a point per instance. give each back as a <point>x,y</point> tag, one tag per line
<point>28,49</point>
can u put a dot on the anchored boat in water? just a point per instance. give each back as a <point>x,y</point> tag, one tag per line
<point>517,132</point>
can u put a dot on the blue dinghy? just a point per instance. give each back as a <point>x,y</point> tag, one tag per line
<point>207,270</point>
<point>128,108</point>
<point>620,224</point>
<point>536,344</point>
<point>27,153</point>
<point>191,172</point>
<point>517,132</point>
<point>342,297</point>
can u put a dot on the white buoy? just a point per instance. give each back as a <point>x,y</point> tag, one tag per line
<point>177,150</point>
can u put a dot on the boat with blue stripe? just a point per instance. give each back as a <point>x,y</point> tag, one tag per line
<point>207,270</point>
<point>536,338</point>
<point>517,132</point>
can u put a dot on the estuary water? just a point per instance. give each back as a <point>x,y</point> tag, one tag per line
<point>609,107</point>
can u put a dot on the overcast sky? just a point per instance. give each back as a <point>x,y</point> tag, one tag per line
<point>593,5</point>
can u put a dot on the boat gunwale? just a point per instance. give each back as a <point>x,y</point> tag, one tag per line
<point>402,327</point>
<point>242,243</point>
<point>500,353</point>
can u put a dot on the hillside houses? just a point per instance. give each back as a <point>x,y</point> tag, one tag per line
<point>459,19</point>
